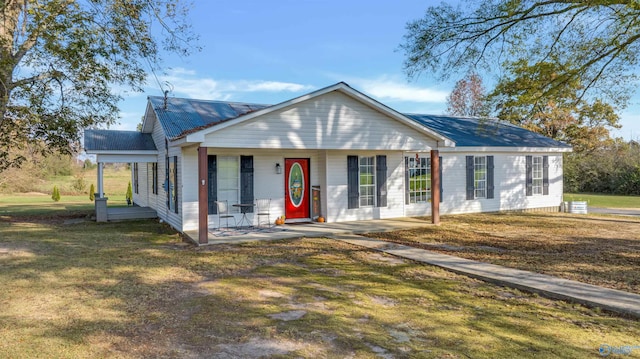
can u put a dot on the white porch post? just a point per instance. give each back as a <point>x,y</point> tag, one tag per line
<point>100,180</point>
<point>101,201</point>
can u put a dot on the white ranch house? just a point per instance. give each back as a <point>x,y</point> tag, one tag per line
<point>360,159</point>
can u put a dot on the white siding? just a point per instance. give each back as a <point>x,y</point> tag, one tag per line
<point>336,188</point>
<point>330,121</point>
<point>142,197</point>
<point>188,194</point>
<point>267,183</point>
<point>509,183</point>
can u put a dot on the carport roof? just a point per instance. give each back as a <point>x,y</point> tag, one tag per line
<point>96,141</point>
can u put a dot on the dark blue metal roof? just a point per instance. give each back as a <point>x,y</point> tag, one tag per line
<point>466,131</point>
<point>183,115</point>
<point>111,140</point>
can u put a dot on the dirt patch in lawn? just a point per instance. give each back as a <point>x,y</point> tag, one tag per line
<point>132,290</point>
<point>600,250</point>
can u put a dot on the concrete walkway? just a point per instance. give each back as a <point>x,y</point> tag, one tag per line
<point>590,295</point>
<point>548,286</point>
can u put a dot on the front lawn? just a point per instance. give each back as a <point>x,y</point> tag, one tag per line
<point>604,200</point>
<point>134,289</point>
<point>600,250</point>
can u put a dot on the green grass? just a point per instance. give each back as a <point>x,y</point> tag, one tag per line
<point>604,200</point>
<point>133,289</point>
<point>40,204</point>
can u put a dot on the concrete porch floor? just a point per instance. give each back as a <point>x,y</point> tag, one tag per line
<point>248,234</point>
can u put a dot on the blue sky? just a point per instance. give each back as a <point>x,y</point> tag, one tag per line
<point>271,51</point>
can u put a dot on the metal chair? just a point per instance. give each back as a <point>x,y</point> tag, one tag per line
<point>223,212</point>
<point>263,208</point>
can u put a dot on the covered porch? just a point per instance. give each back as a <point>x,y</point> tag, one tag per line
<point>311,229</point>
<point>119,147</point>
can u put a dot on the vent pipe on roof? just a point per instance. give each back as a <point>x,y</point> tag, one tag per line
<point>166,92</point>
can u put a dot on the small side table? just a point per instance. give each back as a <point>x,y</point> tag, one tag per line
<point>244,207</point>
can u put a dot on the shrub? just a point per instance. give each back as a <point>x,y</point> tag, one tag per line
<point>56,194</point>
<point>79,184</point>
<point>92,193</point>
<point>129,195</point>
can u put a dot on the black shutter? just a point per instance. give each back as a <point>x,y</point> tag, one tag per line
<point>470,178</point>
<point>246,181</point>
<point>135,178</point>
<point>166,181</point>
<point>406,180</point>
<point>545,175</point>
<point>529,178</point>
<point>440,167</point>
<point>353,183</point>
<point>490,186</point>
<point>212,178</point>
<point>381,181</point>
<point>175,182</point>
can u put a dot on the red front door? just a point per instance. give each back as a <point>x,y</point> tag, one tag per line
<point>296,184</point>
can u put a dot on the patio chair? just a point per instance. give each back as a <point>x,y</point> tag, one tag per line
<point>223,212</point>
<point>263,207</point>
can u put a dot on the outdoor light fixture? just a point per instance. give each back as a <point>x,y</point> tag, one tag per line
<point>278,168</point>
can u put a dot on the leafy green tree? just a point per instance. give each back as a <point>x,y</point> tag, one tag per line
<point>594,42</point>
<point>59,60</point>
<point>520,98</point>
<point>92,193</point>
<point>55,195</point>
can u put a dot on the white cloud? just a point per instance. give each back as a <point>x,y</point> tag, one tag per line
<point>385,88</point>
<point>184,82</point>
<point>394,89</point>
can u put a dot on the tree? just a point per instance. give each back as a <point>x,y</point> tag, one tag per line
<point>468,97</point>
<point>59,60</point>
<point>55,195</point>
<point>519,97</point>
<point>594,42</point>
<point>92,193</point>
<point>129,194</point>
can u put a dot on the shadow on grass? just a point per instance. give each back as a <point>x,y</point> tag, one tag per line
<point>133,289</point>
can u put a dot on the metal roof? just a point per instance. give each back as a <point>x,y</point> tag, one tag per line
<point>181,115</point>
<point>112,140</point>
<point>484,132</point>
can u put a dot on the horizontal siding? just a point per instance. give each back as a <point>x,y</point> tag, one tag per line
<point>510,187</point>
<point>267,183</point>
<point>188,194</point>
<point>337,210</point>
<point>142,197</point>
<point>330,121</point>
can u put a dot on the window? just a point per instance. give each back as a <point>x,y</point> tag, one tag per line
<point>419,179</point>
<point>228,180</point>
<point>135,178</point>
<point>537,175</point>
<point>480,176</point>
<point>367,182</point>
<point>154,178</point>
